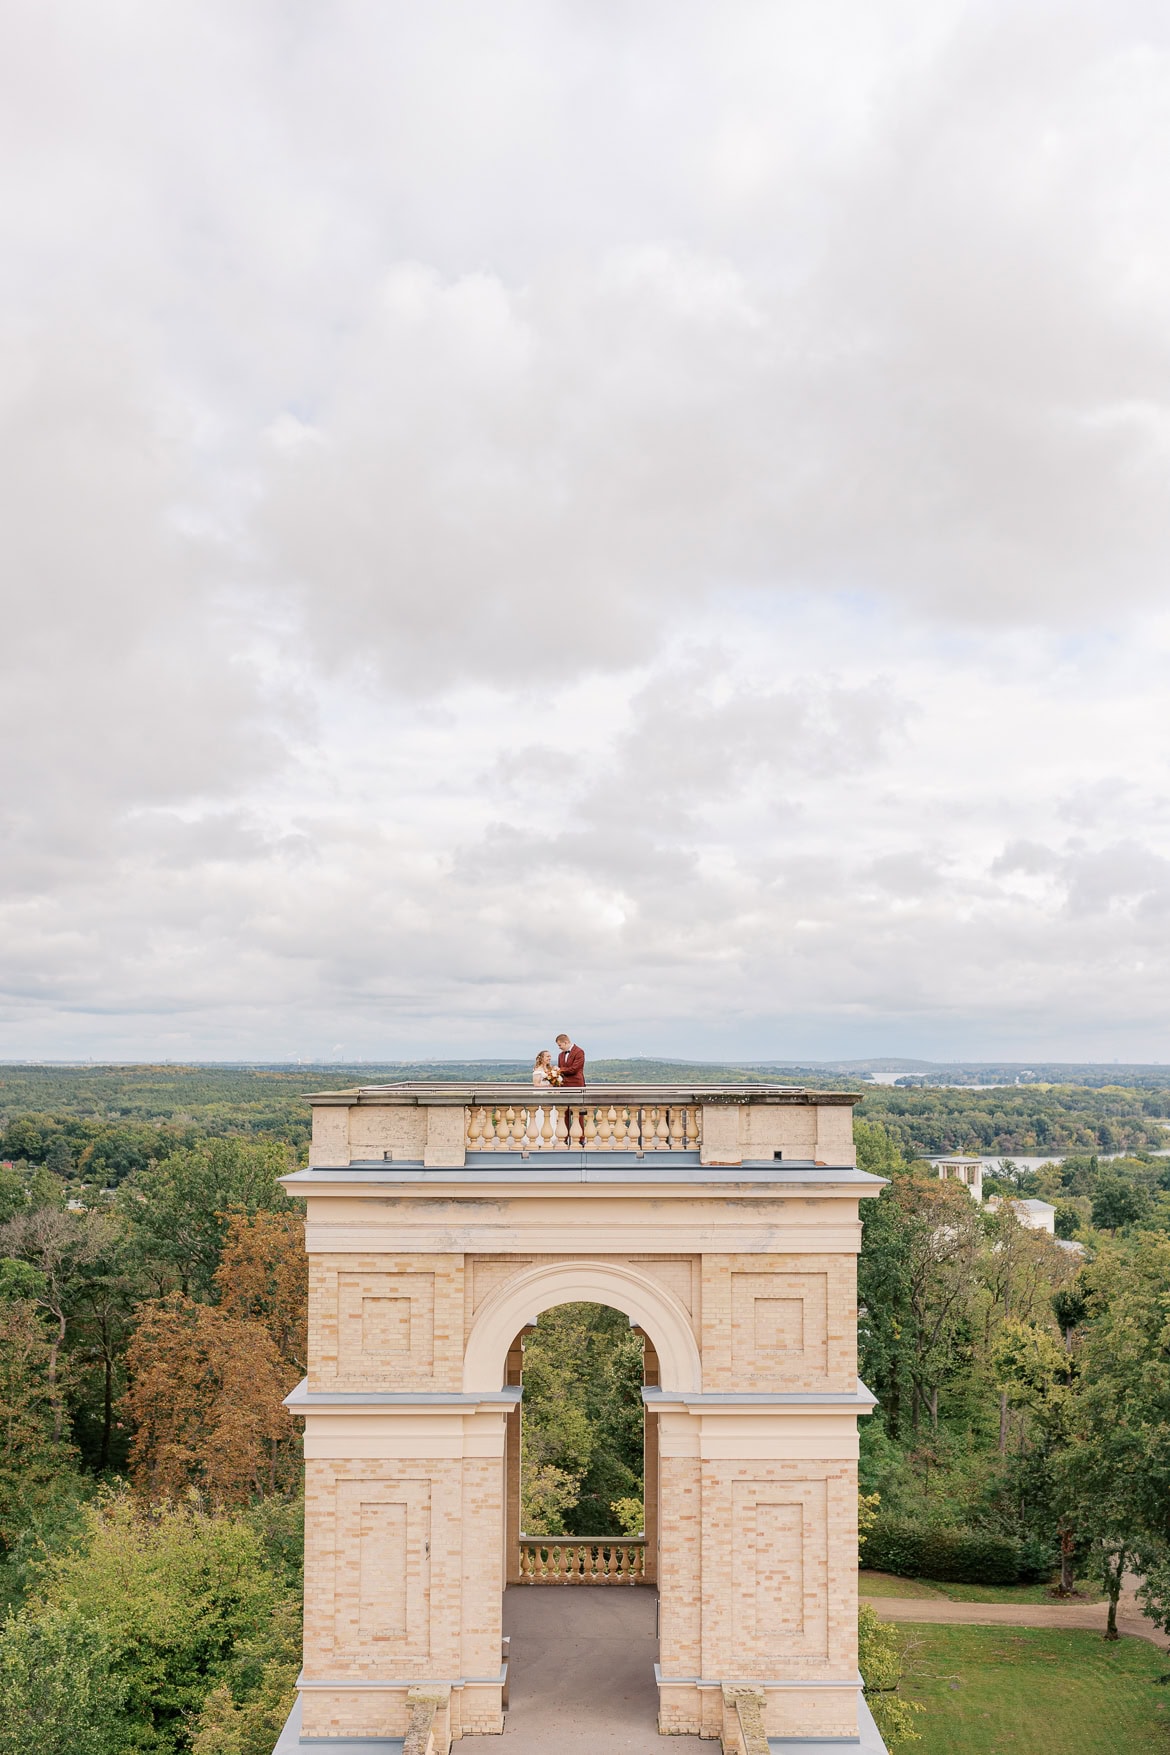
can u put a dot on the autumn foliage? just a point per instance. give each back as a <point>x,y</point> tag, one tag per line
<point>207,1381</point>
<point>263,1276</point>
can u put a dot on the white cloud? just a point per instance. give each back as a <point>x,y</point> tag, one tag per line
<point>656,517</point>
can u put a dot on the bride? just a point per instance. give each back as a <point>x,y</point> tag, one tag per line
<point>543,1070</point>
<point>544,1074</point>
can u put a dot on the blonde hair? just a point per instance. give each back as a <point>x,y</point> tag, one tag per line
<point>545,1054</point>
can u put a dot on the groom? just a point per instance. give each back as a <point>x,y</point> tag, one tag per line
<point>571,1066</point>
<point>570,1061</point>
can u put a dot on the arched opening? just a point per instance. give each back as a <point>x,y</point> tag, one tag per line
<point>648,1303</point>
<point>582,1331</point>
<point>581,1462</point>
<point>582,1453</point>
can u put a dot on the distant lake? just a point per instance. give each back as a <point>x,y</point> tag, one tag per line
<point>1032,1163</point>
<point>938,1084</point>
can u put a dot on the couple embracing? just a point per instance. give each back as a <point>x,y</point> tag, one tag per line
<point>569,1071</point>
<point>570,1067</point>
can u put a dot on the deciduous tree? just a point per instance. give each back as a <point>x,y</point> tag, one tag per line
<point>583,1420</point>
<point>179,1208</point>
<point>916,1282</point>
<point>60,1245</point>
<point>34,1464</point>
<point>60,1693</point>
<point>205,1397</point>
<point>180,1594</point>
<point>263,1277</point>
<point>1114,1473</point>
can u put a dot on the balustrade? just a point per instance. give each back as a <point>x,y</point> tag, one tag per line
<point>572,1123</point>
<point>576,1560</point>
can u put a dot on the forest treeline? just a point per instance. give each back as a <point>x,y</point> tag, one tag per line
<point>150,1523</point>
<point>1028,1120</point>
<point>1024,1388</point>
<point>107,1121</point>
<point>152,1318</point>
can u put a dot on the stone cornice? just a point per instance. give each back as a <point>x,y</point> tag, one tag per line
<point>440,1096</point>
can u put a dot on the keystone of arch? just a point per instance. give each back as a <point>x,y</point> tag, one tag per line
<point>510,1307</point>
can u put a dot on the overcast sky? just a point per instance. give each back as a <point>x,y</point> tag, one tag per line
<point>652,520</point>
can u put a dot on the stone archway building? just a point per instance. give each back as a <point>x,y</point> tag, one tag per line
<point>442,1220</point>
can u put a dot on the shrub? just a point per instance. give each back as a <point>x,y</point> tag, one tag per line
<point>59,1691</point>
<point>184,1598</point>
<point>956,1556</point>
<point>879,1656</point>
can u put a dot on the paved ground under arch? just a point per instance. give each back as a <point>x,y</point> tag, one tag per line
<point>581,1675</point>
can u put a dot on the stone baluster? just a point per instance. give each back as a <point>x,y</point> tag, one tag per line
<point>590,1130</point>
<point>662,1130</point>
<point>619,1128</point>
<point>576,1138</point>
<point>692,1127</point>
<point>650,1128</point>
<point>475,1121</point>
<point>677,1129</point>
<point>561,1131</point>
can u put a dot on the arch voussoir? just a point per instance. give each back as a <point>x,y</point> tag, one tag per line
<point>521,1300</point>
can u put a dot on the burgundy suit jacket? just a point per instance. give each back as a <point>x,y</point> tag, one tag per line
<point>571,1062</point>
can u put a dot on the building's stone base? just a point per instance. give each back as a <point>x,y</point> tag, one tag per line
<point>791,1716</point>
<point>868,1740</point>
<point>292,1742</point>
<point>341,1714</point>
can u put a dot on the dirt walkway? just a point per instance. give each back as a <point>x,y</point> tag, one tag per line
<point>938,1610</point>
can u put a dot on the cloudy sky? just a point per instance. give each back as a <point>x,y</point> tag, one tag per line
<point>653,520</point>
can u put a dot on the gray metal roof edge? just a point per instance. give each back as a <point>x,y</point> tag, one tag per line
<point>861,1397</point>
<point>854,1681</point>
<point>792,1174</point>
<point>352,1684</point>
<point>308,1399</point>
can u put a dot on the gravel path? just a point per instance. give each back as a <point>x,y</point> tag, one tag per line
<point>938,1610</point>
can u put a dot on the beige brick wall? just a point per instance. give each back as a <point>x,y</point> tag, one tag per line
<point>680,1566</point>
<point>405,1552</point>
<point>386,1322</point>
<point>413,1505</point>
<point>779,1322</point>
<point>779,1569</point>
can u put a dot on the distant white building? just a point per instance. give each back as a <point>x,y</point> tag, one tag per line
<point>969,1171</point>
<point>1037,1215</point>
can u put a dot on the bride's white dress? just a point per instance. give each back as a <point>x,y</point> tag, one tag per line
<point>542,1082</point>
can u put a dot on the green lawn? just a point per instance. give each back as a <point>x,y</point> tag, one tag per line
<point>1031,1691</point>
<point>887,1584</point>
<point>884,1584</point>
